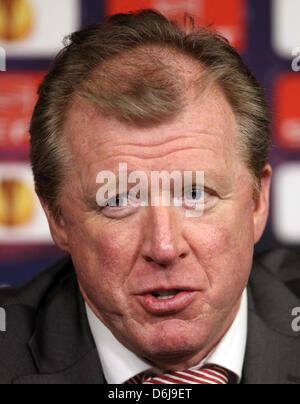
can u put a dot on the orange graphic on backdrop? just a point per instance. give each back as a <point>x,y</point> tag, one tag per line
<point>16,19</point>
<point>16,203</point>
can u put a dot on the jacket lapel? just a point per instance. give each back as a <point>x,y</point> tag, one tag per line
<point>86,371</point>
<point>62,346</point>
<point>272,345</point>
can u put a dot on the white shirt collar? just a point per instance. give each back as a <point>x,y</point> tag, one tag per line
<point>119,364</point>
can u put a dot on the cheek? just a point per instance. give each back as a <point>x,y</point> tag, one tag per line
<point>213,242</point>
<point>114,252</point>
<point>103,263</point>
<point>225,254</point>
<point>103,259</point>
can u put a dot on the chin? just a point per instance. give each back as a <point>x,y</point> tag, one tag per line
<point>172,340</point>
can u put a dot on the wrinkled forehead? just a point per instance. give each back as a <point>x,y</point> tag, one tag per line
<point>207,122</point>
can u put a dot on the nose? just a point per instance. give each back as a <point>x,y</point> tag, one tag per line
<point>164,243</point>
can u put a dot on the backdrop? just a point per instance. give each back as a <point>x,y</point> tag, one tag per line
<point>266,33</point>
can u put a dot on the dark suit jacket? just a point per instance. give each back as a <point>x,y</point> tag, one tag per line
<point>48,340</point>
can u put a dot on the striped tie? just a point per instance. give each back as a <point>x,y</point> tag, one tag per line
<point>207,375</point>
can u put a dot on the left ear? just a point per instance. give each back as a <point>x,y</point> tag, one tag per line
<point>57,229</point>
<point>262,205</point>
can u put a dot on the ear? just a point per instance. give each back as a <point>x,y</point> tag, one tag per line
<point>262,205</point>
<point>57,228</point>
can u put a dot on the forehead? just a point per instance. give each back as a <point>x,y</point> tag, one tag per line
<point>206,128</point>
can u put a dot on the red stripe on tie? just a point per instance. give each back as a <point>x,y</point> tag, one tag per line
<point>163,378</point>
<point>218,369</point>
<point>207,375</point>
<point>216,374</point>
<point>191,376</point>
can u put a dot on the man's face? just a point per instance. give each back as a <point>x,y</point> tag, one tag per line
<point>126,256</point>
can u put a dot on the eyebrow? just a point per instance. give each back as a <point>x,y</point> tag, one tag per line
<point>221,181</point>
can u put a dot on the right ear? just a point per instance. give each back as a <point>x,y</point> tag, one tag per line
<point>57,228</point>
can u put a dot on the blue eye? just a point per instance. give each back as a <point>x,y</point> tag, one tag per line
<point>194,194</point>
<point>118,201</point>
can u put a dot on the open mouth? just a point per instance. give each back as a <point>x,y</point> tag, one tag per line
<point>165,294</point>
<point>163,302</point>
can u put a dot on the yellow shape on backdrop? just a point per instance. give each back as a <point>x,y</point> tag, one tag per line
<point>16,19</point>
<point>16,203</point>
